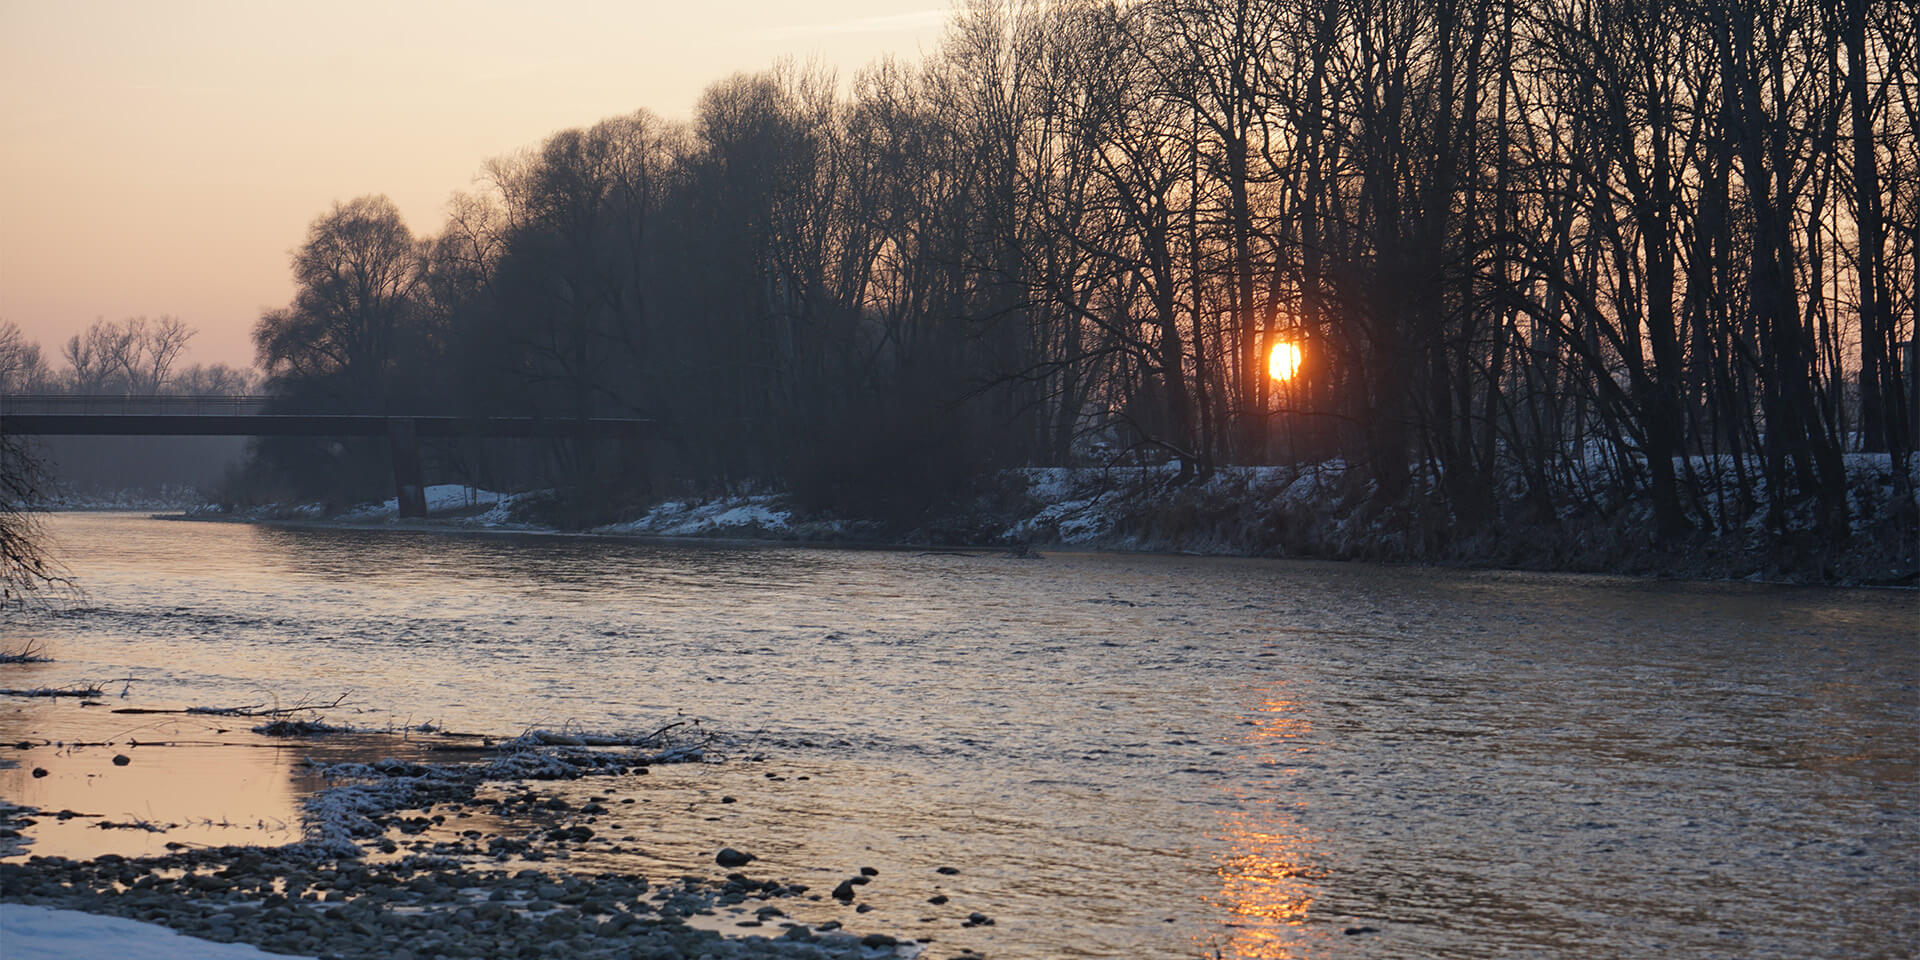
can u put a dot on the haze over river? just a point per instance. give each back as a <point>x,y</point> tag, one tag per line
<point>1139,756</point>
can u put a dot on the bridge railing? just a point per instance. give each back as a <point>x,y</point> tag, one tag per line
<point>45,404</point>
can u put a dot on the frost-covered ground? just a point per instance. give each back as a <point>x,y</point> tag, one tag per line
<point>44,933</point>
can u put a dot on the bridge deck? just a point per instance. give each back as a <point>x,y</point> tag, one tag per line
<point>243,417</point>
<point>300,425</point>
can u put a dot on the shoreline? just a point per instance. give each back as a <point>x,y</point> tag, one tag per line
<point>1038,550</point>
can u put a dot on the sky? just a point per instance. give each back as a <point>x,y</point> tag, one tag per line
<point>166,156</point>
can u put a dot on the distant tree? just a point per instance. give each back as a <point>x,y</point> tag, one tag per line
<point>212,380</point>
<point>22,368</point>
<point>90,368</point>
<point>132,356</point>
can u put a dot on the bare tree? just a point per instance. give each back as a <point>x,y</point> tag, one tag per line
<point>351,321</point>
<point>22,368</point>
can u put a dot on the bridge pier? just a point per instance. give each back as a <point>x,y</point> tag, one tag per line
<point>409,484</point>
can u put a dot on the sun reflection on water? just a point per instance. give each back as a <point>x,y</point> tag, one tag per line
<point>1267,879</point>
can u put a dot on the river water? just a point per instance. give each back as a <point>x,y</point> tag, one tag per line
<point>1142,756</point>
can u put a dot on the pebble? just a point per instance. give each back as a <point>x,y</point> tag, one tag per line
<point>121,759</point>
<point>729,857</point>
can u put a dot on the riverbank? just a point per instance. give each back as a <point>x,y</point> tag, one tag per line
<point>1315,512</point>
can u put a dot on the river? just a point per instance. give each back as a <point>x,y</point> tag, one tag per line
<point>1123,755</point>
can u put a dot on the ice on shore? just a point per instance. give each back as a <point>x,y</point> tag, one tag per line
<point>44,933</point>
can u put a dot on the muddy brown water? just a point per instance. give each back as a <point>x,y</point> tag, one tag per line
<point>1122,755</point>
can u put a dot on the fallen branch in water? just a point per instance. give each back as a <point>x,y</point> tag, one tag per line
<point>29,653</point>
<point>251,710</point>
<point>81,690</point>
<point>136,824</point>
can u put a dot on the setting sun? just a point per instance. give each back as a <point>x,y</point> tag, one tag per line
<point>1284,362</point>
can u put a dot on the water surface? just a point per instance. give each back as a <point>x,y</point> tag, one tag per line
<point>1124,755</point>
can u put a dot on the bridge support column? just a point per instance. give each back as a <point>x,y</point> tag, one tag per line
<point>408,483</point>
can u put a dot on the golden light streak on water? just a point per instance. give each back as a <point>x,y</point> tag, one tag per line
<point>1267,880</point>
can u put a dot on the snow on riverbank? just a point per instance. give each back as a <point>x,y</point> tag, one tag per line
<point>44,933</point>
<point>737,516</point>
<point>1322,511</point>
<point>440,497</point>
<point>1314,510</point>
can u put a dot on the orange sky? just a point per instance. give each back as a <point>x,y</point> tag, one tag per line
<point>163,157</point>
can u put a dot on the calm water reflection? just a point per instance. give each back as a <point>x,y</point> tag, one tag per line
<point>1126,756</point>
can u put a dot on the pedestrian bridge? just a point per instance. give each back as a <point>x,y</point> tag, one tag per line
<point>168,416</point>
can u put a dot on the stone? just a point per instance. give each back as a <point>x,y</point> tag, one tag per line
<point>844,892</point>
<point>121,759</point>
<point>729,857</point>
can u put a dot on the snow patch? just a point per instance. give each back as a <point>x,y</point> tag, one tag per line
<point>44,933</point>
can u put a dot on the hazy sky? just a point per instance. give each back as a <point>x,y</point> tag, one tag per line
<point>163,156</point>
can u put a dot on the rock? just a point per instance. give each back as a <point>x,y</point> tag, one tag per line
<point>39,772</point>
<point>878,940</point>
<point>869,872</point>
<point>729,857</point>
<point>937,899</point>
<point>1356,931</point>
<point>844,892</point>
<point>949,871</point>
<point>121,759</point>
<point>978,919</point>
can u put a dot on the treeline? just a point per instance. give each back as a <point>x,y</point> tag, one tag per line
<point>116,358</point>
<point>1530,254</point>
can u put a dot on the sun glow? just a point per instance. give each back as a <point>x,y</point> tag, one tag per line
<point>1284,361</point>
